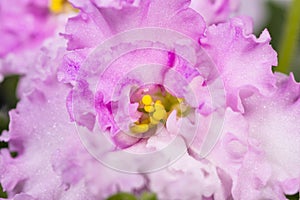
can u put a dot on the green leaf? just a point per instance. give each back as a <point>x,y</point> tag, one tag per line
<point>293,197</point>
<point>8,91</point>
<point>122,196</point>
<point>274,22</point>
<point>290,38</point>
<point>2,194</point>
<point>8,100</point>
<point>148,196</point>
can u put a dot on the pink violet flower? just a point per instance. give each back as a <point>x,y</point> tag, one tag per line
<point>16,34</point>
<point>24,29</point>
<point>139,91</point>
<point>215,11</point>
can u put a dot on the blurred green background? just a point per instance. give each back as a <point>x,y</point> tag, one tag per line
<point>275,22</point>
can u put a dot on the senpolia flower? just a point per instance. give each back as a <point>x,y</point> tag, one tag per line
<point>148,96</point>
<point>16,34</point>
<point>24,29</point>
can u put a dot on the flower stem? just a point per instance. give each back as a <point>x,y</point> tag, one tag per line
<point>290,37</point>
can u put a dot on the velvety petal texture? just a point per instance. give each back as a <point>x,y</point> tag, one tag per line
<point>16,34</point>
<point>155,96</point>
<point>215,11</point>
<point>201,178</point>
<point>94,25</point>
<point>242,59</point>
<point>58,166</point>
<point>274,127</point>
<point>29,36</point>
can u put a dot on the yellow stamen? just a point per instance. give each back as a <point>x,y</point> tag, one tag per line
<point>147,100</point>
<point>153,121</point>
<point>159,114</point>
<point>149,109</point>
<point>145,121</point>
<point>158,105</point>
<point>160,111</point>
<point>139,128</point>
<point>155,109</point>
<point>57,6</point>
<point>158,102</point>
<point>61,6</point>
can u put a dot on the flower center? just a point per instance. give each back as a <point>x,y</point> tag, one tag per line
<point>155,105</point>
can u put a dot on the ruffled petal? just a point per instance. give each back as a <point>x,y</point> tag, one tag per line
<point>242,60</point>
<point>93,26</point>
<point>51,150</point>
<point>203,176</point>
<point>273,123</point>
<point>35,26</point>
<point>215,11</point>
